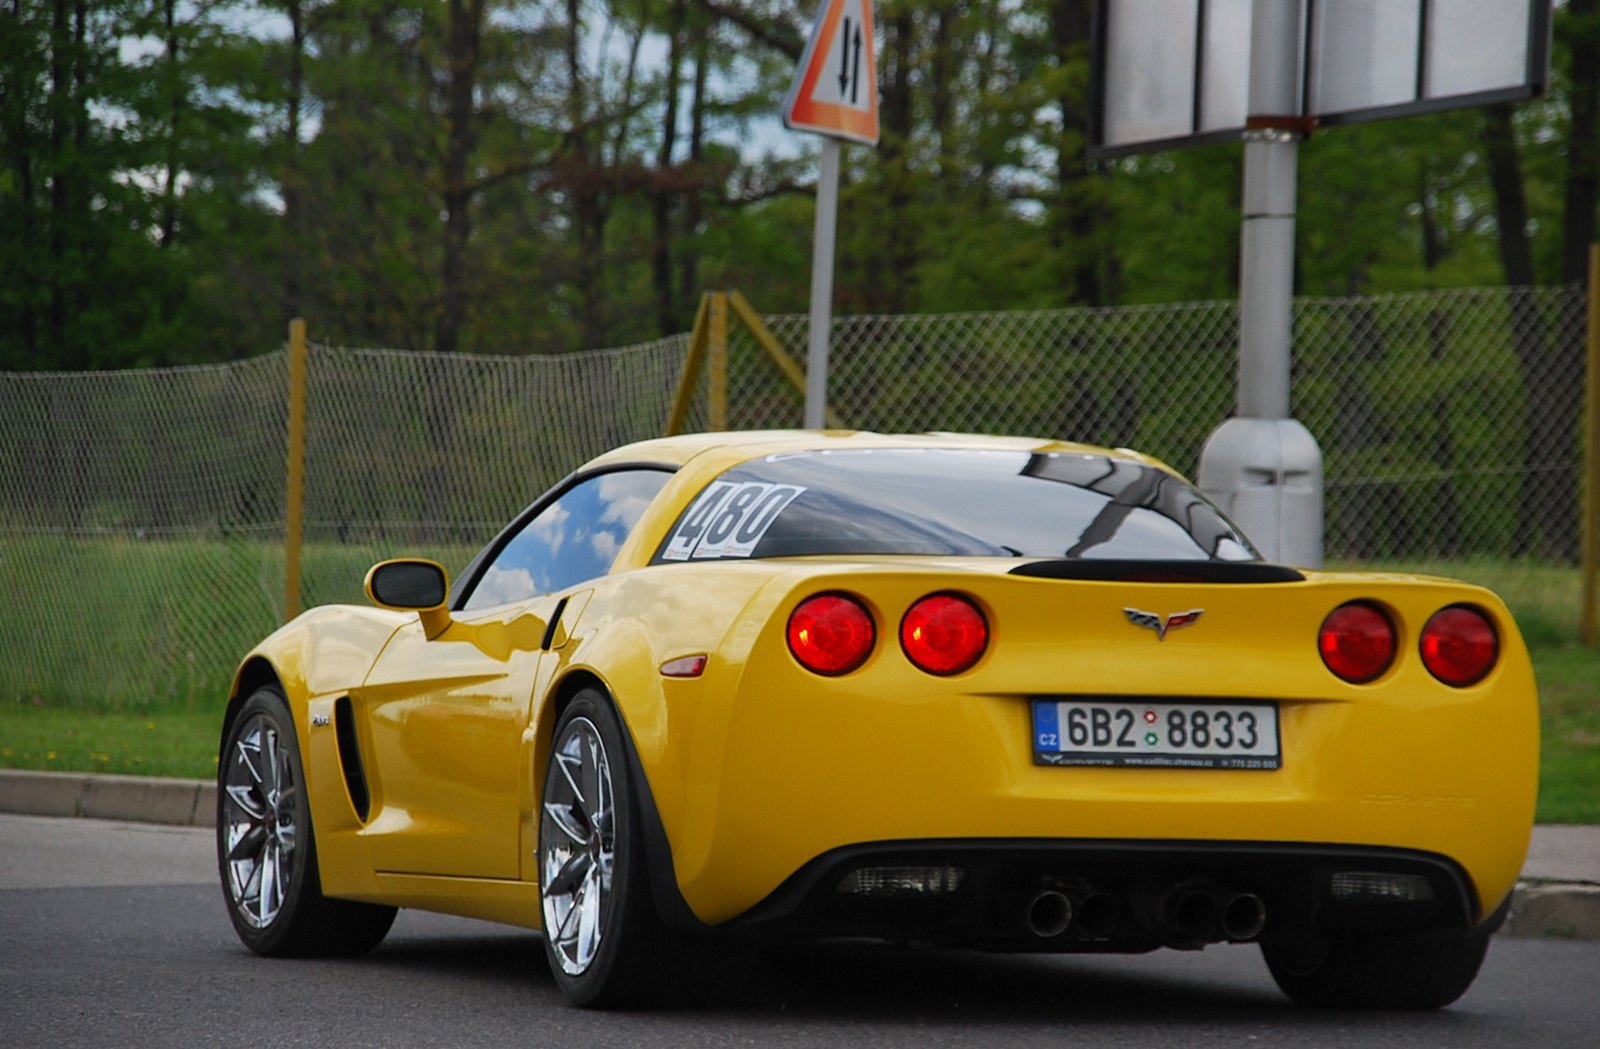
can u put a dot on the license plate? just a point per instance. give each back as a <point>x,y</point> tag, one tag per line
<point>1094,731</point>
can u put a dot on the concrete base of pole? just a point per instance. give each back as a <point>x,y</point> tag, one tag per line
<point>1266,475</point>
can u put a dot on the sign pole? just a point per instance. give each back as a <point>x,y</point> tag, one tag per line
<point>822,250</point>
<point>1262,467</point>
<point>835,93</point>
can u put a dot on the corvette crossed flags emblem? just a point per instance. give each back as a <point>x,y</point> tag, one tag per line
<point>1154,622</point>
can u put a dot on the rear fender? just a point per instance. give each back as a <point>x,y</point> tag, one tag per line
<point>619,641</point>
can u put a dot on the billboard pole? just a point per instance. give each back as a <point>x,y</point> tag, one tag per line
<point>822,284</point>
<point>1266,257</point>
<point>1262,467</point>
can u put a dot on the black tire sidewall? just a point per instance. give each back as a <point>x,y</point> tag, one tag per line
<point>1376,974</point>
<point>278,936</point>
<point>630,930</point>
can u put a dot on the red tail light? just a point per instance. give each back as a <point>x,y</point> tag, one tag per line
<point>944,634</point>
<point>1357,642</point>
<point>831,634</point>
<point>1459,645</point>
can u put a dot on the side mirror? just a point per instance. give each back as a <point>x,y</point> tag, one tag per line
<point>412,585</point>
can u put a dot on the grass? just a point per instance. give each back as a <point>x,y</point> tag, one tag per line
<point>175,741</point>
<point>142,693</point>
<point>119,623</point>
<point>1569,709</point>
<point>167,742</point>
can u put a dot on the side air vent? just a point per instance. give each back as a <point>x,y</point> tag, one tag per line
<point>355,778</point>
<point>1160,571</point>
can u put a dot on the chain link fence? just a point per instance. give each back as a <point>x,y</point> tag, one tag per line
<point>141,513</point>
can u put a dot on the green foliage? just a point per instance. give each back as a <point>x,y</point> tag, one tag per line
<point>1570,743</point>
<point>177,179</point>
<point>159,742</point>
<point>131,186</point>
<point>173,619</point>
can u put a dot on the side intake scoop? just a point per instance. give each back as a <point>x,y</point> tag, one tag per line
<point>1160,571</point>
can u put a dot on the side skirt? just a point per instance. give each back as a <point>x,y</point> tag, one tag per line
<point>491,899</point>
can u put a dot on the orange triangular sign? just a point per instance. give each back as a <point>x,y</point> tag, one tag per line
<point>835,90</point>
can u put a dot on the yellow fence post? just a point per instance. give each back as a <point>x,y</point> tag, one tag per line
<point>775,353</point>
<point>294,500</point>
<point>717,396</point>
<point>1591,456</point>
<point>691,369</point>
<point>710,338</point>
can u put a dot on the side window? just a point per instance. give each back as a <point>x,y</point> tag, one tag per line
<point>573,539</point>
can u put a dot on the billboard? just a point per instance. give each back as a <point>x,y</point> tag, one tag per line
<point>1168,73</point>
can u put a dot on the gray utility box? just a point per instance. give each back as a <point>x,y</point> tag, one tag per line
<point>1266,476</point>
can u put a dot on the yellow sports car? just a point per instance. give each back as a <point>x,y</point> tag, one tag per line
<point>1004,693</point>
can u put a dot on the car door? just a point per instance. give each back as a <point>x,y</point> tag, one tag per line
<point>446,717</point>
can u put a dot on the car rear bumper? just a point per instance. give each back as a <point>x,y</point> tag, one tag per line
<point>1117,896</point>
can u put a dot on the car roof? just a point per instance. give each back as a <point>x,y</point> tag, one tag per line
<point>728,448</point>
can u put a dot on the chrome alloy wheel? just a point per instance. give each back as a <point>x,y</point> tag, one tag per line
<point>577,845</point>
<point>260,822</point>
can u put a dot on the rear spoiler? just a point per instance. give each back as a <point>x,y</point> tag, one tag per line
<point>1160,571</point>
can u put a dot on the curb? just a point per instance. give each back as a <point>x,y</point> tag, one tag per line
<point>1541,908</point>
<point>1548,910</point>
<point>137,799</point>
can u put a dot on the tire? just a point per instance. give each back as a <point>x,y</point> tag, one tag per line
<point>604,939</point>
<point>1375,974</point>
<point>266,846</point>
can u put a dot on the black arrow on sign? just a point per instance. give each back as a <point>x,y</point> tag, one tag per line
<point>844,60</point>
<point>855,66</point>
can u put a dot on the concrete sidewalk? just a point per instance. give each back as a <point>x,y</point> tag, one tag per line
<point>1559,892</point>
<point>1557,897</point>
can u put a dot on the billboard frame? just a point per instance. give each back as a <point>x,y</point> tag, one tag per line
<point>1535,83</point>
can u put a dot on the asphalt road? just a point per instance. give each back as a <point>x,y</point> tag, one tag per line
<point>114,934</point>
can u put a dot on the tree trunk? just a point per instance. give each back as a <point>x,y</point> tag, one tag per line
<point>22,148</point>
<point>1432,244</point>
<point>942,103</point>
<point>61,219</point>
<point>667,319</point>
<point>896,116</point>
<point>1079,203</point>
<point>168,223</point>
<point>586,192</point>
<point>466,25</point>
<point>1549,500</point>
<point>461,138</point>
<point>694,208</point>
<point>1583,140</point>
<point>292,198</point>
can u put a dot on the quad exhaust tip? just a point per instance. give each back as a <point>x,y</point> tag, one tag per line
<point>1047,913</point>
<point>1097,914</point>
<point>1244,915</point>
<point>1204,917</point>
<point>1193,915</point>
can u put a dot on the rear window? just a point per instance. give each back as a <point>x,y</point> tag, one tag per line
<point>976,502</point>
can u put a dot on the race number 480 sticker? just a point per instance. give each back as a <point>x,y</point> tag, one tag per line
<point>728,520</point>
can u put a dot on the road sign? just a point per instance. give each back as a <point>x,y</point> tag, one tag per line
<point>1168,73</point>
<point>835,90</point>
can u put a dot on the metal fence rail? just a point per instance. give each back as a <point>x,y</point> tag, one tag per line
<point>141,513</point>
